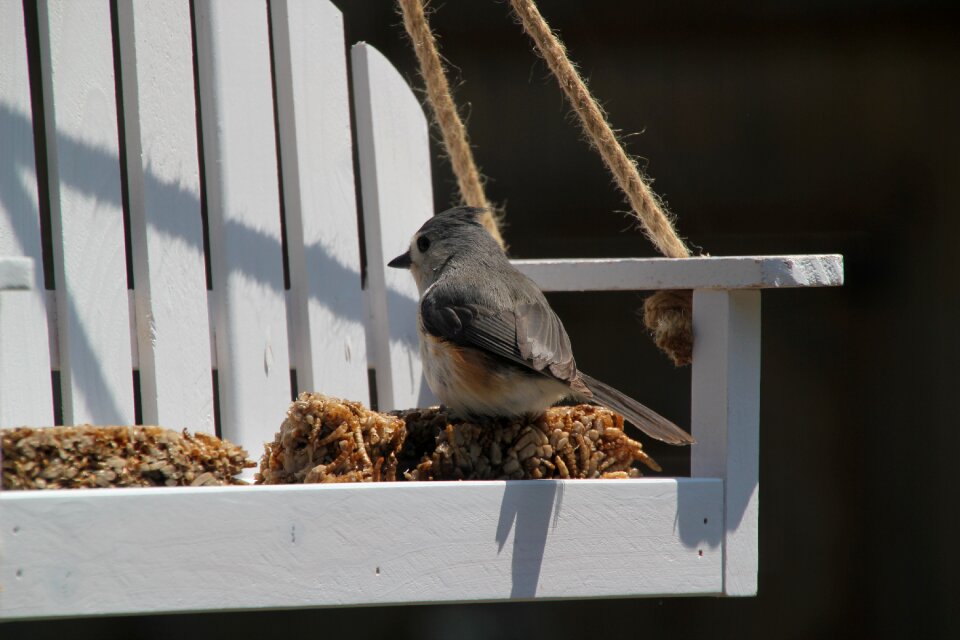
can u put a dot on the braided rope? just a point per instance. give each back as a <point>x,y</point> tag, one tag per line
<point>445,113</point>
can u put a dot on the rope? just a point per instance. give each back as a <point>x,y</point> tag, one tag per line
<point>646,205</point>
<point>445,113</point>
<point>667,314</point>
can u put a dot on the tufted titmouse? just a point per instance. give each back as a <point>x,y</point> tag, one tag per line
<point>489,342</point>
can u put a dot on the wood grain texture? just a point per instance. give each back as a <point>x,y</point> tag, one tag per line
<point>734,272</point>
<point>80,118</point>
<point>725,417</point>
<point>155,550</point>
<point>243,202</point>
<point>326,306</point>
<point>397,192</point>
<point>163,186</point>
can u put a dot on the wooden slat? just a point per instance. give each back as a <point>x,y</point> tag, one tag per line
<point>733,272</point>
<point>165,224</point>
<point>25,388</point>
<point>393,148</point>
<point>725,416</point>
<point>80,118</point>
<point>243,201</point>
<point>154,550</point>
<point>16,273</point>
<point>19,213</point>
<point>326,311</point>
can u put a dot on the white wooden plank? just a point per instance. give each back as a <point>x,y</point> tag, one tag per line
<point>25,387</point>
<point>323,244</point>
<point>19,214</point>
<point>80,118</point>
<point>394,153</point>
<point>725,416</point>
<point>185,549</point>
<point>16,273</point>
<point>23,347</point>
<point>735,272</point>
<point>165,225</point>
<point>243,201</point>
<point>51,308</point>
<point>21,352</point>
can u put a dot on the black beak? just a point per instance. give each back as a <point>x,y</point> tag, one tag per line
<point>402,261</point>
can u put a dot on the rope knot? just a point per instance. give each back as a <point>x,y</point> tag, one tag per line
<point>669,317</point>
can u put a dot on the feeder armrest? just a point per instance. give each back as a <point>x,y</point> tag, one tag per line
<point>647,274</point>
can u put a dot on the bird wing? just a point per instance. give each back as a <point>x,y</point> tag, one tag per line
<point>530,335</point>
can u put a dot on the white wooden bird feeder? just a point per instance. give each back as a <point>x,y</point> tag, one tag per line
<point>125,551</point>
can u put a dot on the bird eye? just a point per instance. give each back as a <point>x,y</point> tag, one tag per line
<point>423,243</point>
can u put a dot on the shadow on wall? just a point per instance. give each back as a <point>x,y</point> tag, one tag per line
<point>17,167</point>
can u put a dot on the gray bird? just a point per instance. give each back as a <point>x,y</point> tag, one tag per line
<point>489,342</point>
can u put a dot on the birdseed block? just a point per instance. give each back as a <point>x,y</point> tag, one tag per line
<point>89,456</point>
<point>327,439</point>
<point>581,441</point>
<point>330,440</point>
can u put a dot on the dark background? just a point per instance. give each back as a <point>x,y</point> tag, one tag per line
<point>818,126</point>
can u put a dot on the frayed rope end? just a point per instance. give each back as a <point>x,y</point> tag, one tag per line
<point>669,317</point>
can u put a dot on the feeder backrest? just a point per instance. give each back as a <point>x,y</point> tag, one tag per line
<point>196,176</point>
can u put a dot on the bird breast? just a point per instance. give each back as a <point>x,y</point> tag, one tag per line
<point>473,384</point>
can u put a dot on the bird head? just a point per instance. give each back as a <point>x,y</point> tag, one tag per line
<point>444,238</point>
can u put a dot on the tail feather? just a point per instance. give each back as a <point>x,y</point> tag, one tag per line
<point>644,418</point>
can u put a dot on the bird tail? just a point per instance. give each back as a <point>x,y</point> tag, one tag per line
<point>644,418</point>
